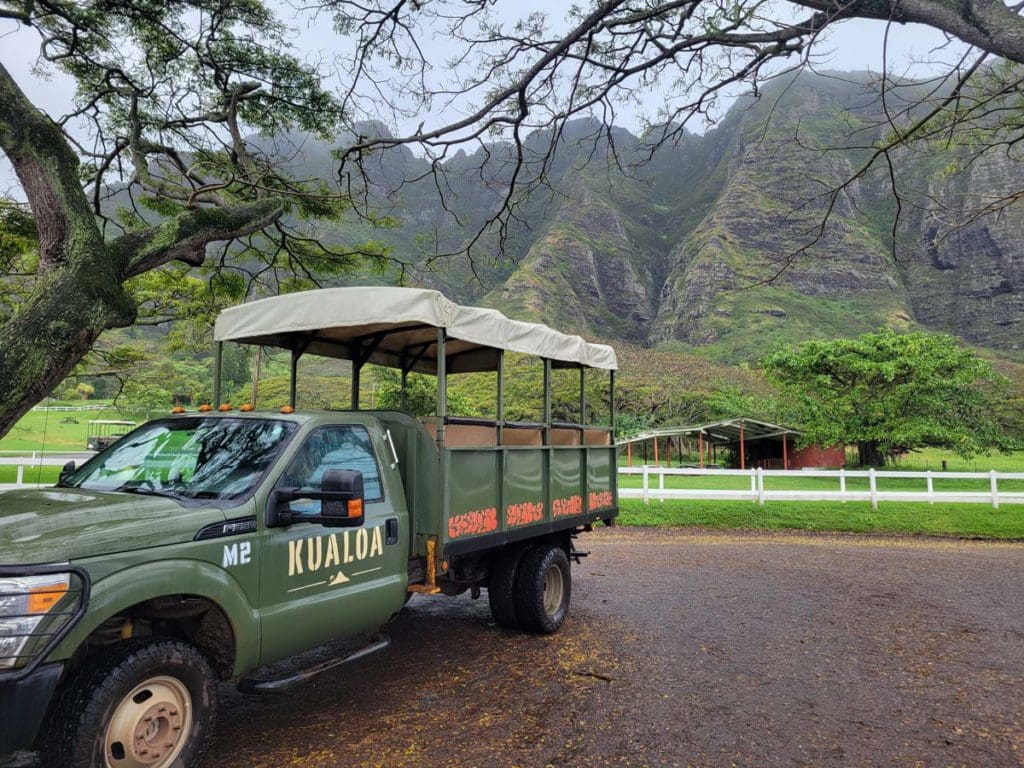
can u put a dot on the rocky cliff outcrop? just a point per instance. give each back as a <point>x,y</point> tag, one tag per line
<point>717,242</point>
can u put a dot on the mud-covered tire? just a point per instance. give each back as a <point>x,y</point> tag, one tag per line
<point>81,731</point>
<point>543,589</point>
<point>501,586</point>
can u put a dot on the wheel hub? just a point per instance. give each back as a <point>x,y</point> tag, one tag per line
<point>150,726</point>
<point>554,587</point>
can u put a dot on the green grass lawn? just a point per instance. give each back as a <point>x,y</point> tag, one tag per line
<point>973,520</point>
<point>33,474</point>
<point>58,430</point>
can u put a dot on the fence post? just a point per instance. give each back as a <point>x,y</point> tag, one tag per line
<point>661,486</point>
<point>21,475</point>
<point>842,485</point>
<point>874,488</point>
<point>931,488</point>
<point>760,487</point>
<point>753,484</point>
<point>647,488</point>
<point>995,489</point>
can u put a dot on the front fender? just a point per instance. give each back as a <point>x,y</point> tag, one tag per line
<point>119,591</point>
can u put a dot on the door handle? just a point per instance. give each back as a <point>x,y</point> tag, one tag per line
<point>391,530</point>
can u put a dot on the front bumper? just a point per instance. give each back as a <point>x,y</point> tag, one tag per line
<point>23,705</point>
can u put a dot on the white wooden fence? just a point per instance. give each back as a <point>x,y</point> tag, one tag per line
<point>760,494</point>
<point>73,408</point>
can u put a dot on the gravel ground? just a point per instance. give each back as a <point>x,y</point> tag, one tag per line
<point>686,648</point>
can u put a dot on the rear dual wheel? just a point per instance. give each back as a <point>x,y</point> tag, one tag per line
<point>530,589</point>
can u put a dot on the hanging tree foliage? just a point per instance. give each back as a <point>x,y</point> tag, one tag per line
<point>149,170</point>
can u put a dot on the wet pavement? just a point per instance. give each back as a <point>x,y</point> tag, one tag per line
<point>685,648</point>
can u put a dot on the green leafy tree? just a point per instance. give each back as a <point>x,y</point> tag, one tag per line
<point>421,395</point>
<point>888,392</point>
<point>85,391</point>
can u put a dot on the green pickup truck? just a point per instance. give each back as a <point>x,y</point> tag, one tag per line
<point>203,546</point>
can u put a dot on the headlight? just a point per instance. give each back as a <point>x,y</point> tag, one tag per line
<point>25,601</point>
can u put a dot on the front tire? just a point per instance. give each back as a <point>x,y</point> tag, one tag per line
<point>143,704</point>
<point>543,589</point>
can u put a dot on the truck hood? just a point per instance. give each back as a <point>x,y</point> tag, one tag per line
<point>49,525</point>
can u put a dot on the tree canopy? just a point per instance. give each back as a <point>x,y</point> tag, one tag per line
<point>889,393</point>
<point>151,167</point>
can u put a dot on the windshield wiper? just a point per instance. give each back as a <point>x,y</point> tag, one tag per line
<point>149,492</point>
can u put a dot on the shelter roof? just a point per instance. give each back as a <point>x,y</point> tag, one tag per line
<point>725,431</point>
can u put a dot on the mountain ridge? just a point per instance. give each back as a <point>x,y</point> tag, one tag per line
<point>686,250</point>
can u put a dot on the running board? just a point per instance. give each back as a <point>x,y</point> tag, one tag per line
<point>249,685</point>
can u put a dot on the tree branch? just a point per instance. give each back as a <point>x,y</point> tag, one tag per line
<point>47,168</point>
<point>185,237</point>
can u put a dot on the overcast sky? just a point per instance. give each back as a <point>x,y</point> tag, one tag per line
<point>852,45</point>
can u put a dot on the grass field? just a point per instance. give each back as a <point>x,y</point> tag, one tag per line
<point>58,430</point>
<point>34,474</point>
<point>974,520</point>
<point>971,520</point>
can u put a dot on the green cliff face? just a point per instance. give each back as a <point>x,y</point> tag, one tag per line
<point>715,243</point>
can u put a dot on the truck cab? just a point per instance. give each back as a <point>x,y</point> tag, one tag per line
<point>203,546</point>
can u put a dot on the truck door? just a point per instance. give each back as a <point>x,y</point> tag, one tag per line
<point>319,583</point>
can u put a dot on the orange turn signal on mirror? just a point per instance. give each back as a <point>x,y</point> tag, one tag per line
<point>355,507</point>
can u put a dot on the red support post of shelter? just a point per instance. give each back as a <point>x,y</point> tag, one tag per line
<point>743,449</point>
<point>655,451</point>
<point>785,452</point>
<point>700,448</point>
<point>629,454</point>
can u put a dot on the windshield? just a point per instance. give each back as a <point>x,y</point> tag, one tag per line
<point>200,458</point>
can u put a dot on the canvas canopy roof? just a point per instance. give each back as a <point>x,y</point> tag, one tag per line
<point>397,327</point>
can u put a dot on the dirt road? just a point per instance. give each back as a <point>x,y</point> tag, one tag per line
<point>684,649</point>
<point>687,648</point>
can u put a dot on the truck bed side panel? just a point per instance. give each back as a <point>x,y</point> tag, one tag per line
<point>541,489</point>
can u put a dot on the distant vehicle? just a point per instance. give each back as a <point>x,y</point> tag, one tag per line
<point>105,432</point>
<point>206,545</point>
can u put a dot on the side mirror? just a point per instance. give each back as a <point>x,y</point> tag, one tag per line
<point>341,497</point>
<point>65,472</point>
<point>342,505</point>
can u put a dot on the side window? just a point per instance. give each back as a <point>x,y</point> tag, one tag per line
<point>332,448</point>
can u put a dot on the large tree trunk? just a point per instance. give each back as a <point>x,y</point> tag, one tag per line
<point>870,454</point>
<point>79,292</point>
<point>52,331</point>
